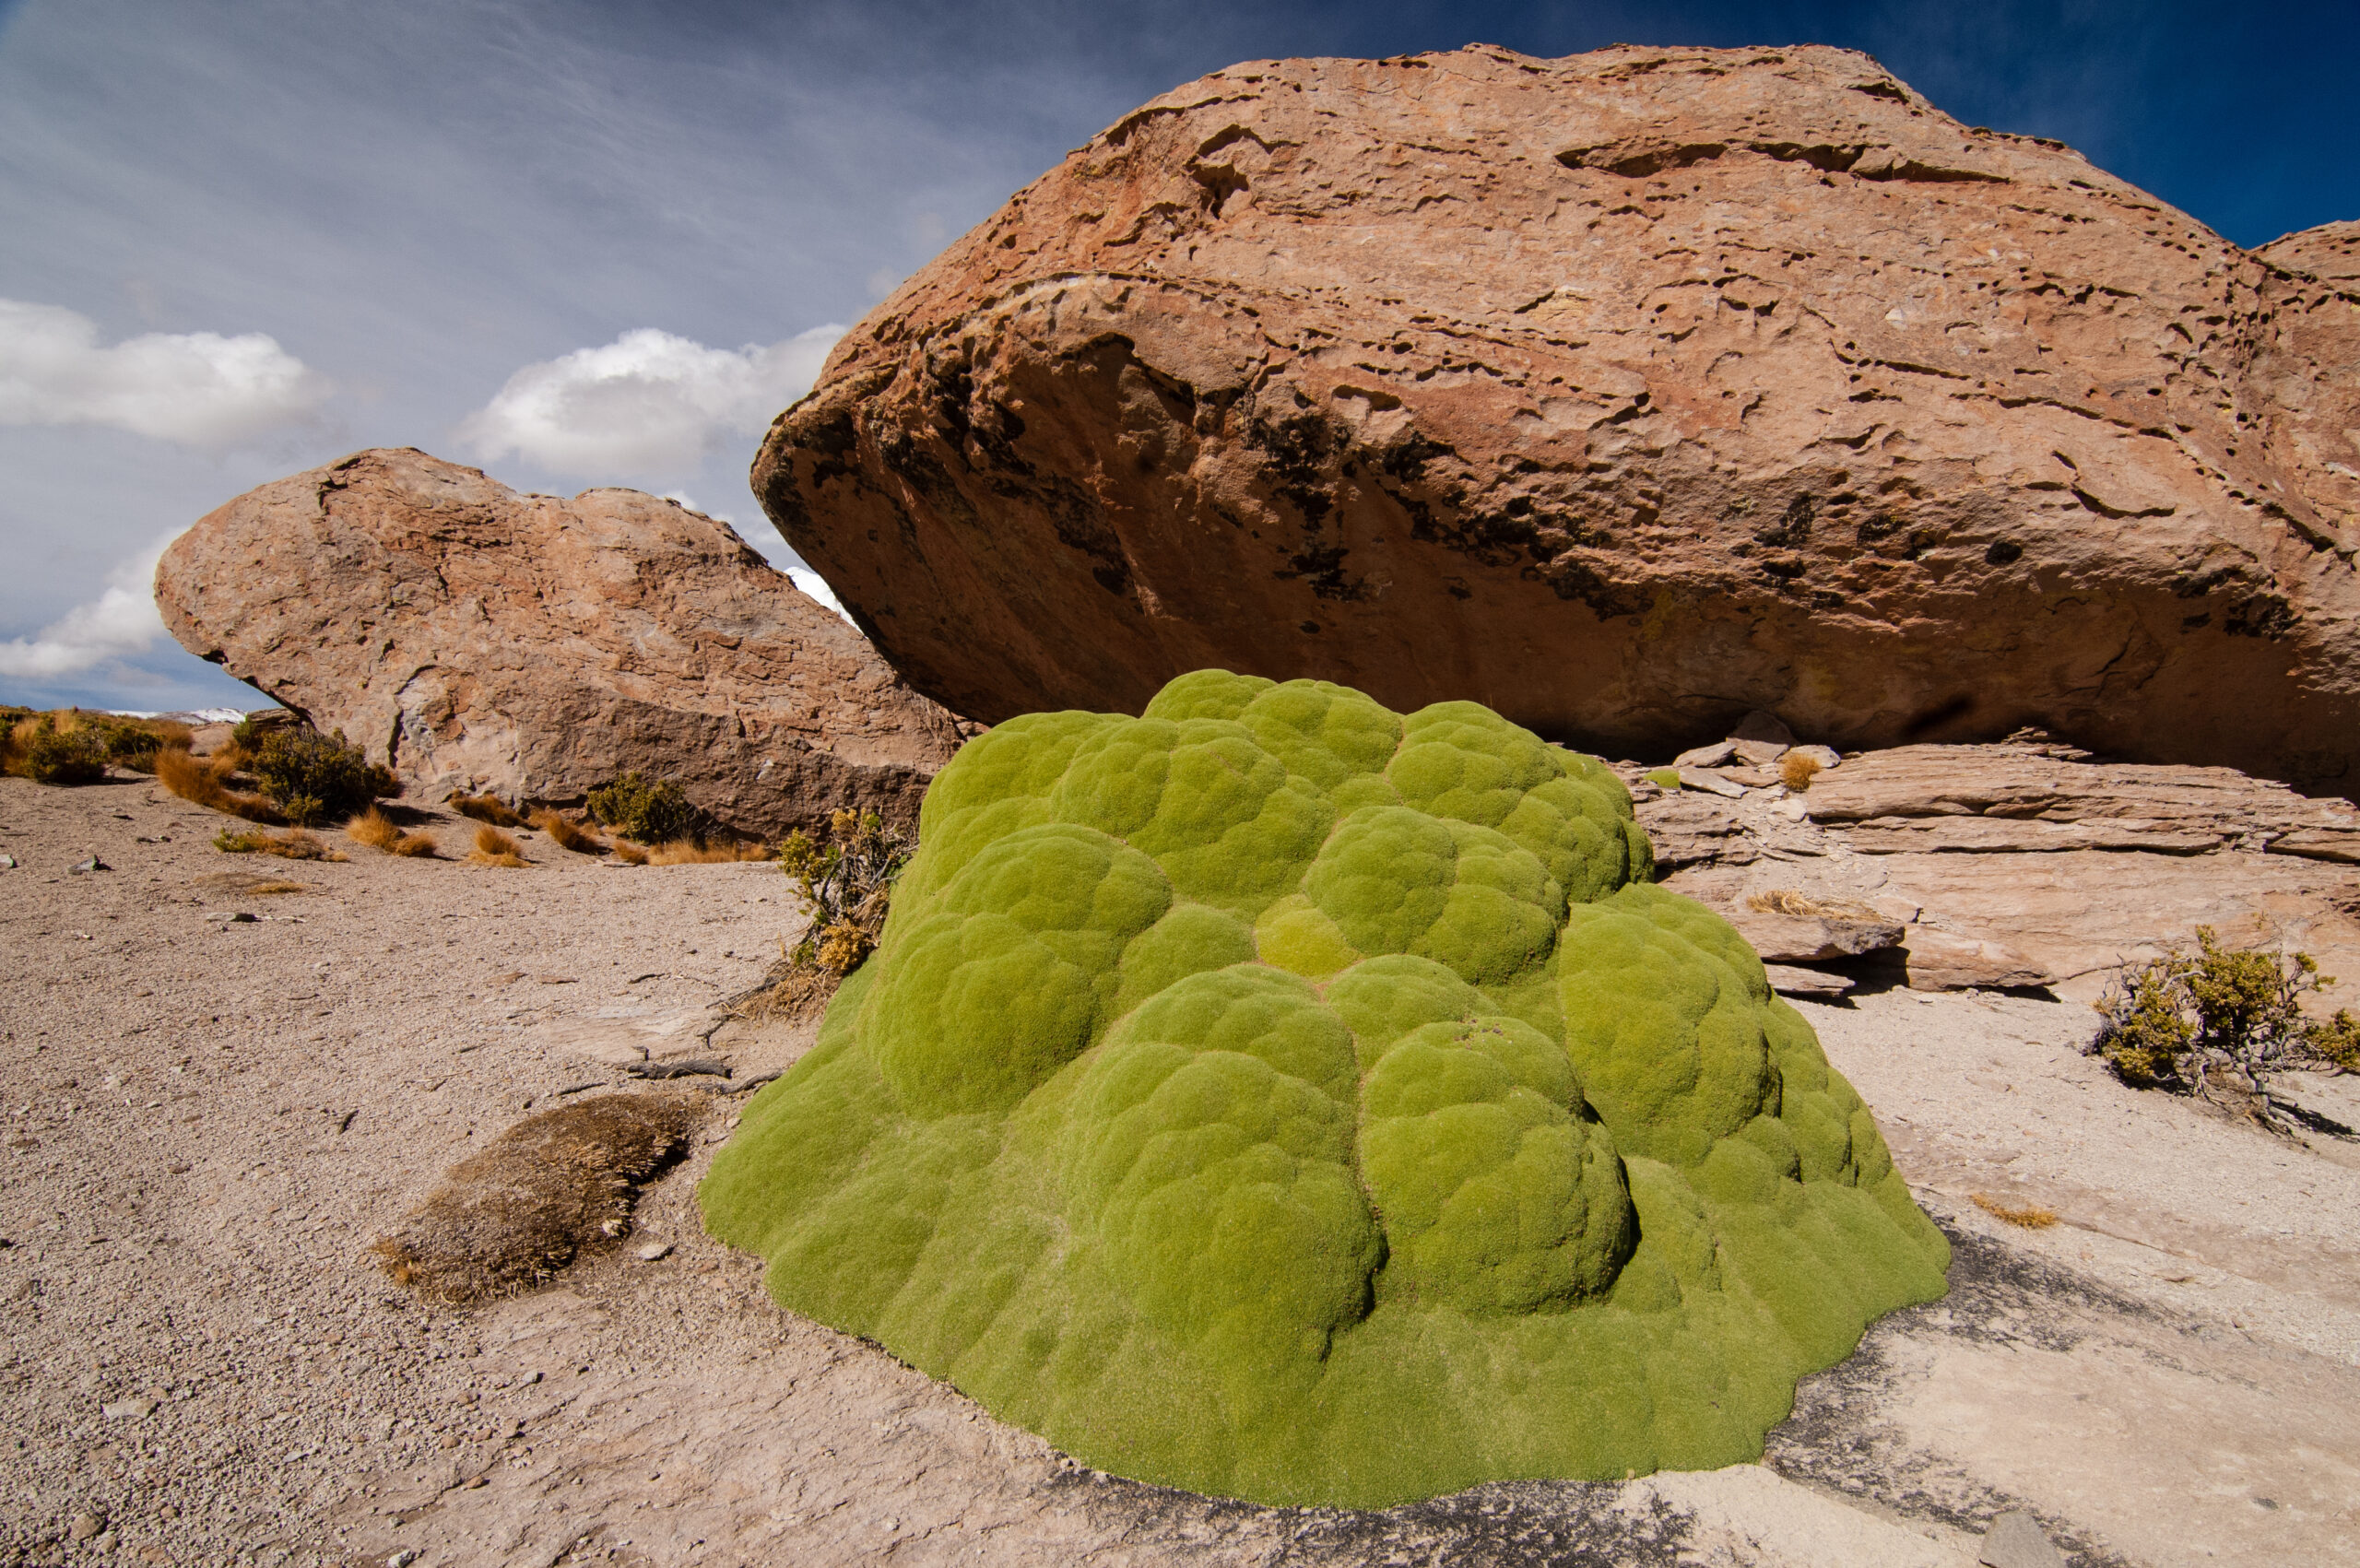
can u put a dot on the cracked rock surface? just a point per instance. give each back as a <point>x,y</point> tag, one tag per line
<point>1620,393</point>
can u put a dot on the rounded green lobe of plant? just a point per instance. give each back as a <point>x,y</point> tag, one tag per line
<point>1277,1096</point>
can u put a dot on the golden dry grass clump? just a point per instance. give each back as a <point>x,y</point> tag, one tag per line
<point>496,848</point>
<point>488,808</point>
<point>1786,901</point>
<point>567,834</point>
<point>704,852</point>
<point>380,832</point>
<point>553,1186</point>
<point>1797,768</point>
<point>2032,1217</point>
<point>628,852</point>
<point>205,781</point>
<point>295,844</point>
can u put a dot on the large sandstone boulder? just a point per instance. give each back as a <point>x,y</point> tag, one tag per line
<point>1623,393</point>
<point>476,639</point>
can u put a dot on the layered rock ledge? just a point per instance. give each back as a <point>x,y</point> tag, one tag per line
<point>474,639</point>
<point>2023,864</point>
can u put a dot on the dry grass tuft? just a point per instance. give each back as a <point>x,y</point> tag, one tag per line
<point>2031,1217</point>
<point>566,834</point>
<point>628,852</point>
<point>1786,901</point>
<point>496,848</point>
<point>205,781</point>
<point>374,829</point>
<point>487,808</point>
<point>554,1185</point>
<point>689,852</point>
<point>1797,768</point>
<point>294,845</point>
<point>378,831</point>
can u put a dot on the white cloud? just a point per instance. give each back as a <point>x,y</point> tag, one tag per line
<point>817,586</point>
<point>120,621</point>
<point>197,388</point>
<point>649,402</point>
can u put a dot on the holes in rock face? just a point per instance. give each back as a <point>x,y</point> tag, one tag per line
<point>2003,552</point>
<point>1309,628</point>
<point>1793,527</point>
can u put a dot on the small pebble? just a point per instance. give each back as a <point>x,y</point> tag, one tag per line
<point>83,1526</point>
<point>654,1250</point>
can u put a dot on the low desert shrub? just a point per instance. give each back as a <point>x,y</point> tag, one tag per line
<point>294,845</point>
<point>1797,768</point>
<point>487,808</point>
<point>496,848</point>
<point>566,833</point>
<point>2198,1022</point>
<point>847,886</point>
<point>2338,1041</point>
<point>380,832</point>
<point>315,778</point>
<point>652,812</point>
<point>557,1184</point>
<point>50,753</point>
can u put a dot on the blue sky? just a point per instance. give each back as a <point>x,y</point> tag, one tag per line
<point>237,240</point>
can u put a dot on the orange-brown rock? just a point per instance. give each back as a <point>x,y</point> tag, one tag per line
<point>476,639</point>
<point>1624,393</point>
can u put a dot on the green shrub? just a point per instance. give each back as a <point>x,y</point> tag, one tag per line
<point>50,754</point>
<point>2189,1018</point>
<point>847,886</point>
<point>652,812</point>
<point>1277,1096</point>
<point>315,778</point>
<point>1665,779</point>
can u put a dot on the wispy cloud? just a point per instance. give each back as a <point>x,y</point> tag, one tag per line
<point>197,388</point>
<point>118,623</point>
<point>648,403</point>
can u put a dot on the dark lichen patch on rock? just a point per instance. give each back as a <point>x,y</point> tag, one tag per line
<point>1279,1097</point>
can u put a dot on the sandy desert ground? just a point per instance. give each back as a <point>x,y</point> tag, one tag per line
<point>209,1118</point>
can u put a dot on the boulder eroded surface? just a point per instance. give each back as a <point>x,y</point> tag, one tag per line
<point>472,639</point>
<point>1623,393</point>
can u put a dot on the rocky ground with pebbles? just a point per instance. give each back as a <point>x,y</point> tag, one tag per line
<point>216,1096</point>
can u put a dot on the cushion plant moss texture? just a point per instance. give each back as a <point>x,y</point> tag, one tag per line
<point>1276,1096</point>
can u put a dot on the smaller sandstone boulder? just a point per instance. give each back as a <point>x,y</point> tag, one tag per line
<point>473,638</point>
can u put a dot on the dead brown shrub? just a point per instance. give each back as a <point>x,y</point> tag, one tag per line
<point>487,808</point>
<point>556,1184</point>
<point>205,781</point>
<point>566,834</point>
<point>628,852</point>
<point>1797,768</point>
<point>1786,901</point>
<point>496,848</point>
<point>2032,1217</point>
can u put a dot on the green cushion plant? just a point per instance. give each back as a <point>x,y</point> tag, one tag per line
<point>1276,1096</point>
